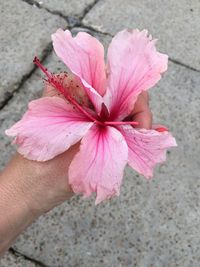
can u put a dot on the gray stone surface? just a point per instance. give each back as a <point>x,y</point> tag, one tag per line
<point>32,89</point>
<point>66,7</point>
<point>25,32</point>
<point>153,223</point>
<point>10,260</point>
<point>175,23</point>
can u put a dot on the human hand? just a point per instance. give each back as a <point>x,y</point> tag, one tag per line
<point>45,184</point>
<point>54,173</point>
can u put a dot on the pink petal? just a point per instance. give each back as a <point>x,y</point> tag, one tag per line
<point>84,55</point>
<point>134,65</point>
<point>98,166</point>
<point>146,148</point>
<point>73,87</point>
<point>49,127</point>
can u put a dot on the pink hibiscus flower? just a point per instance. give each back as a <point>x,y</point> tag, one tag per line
<point>93,108</point>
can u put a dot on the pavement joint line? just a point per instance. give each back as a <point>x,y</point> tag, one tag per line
<point>88,8</point>
<point>24,78</point>
<point>73,21</point>
<point>45,53</point>
<point>76,21</point>
<point>90,28</point>
<point>182,64</point>
<point>17,253</point>
<point>35,3</point>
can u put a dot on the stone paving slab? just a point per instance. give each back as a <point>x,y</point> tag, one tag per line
<point>175,23</point>
<point>10,260</point>
<point>153,223</point>
<point>25,31</point>
<point>67,8</point>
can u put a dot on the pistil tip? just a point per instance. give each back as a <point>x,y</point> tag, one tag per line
<point>35,59</point>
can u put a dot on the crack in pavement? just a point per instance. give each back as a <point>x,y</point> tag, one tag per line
<point>73,21</point>
<point>17,253</point>
<point>91,29</point>
<point>177,62</point>
<point>77,21</point>
<point>88,9</point>
<point>45,53</point>
<point>183,64</point>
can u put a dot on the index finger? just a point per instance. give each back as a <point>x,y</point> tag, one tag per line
<point>142,113</point>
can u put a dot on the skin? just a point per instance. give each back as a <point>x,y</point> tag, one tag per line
<point>29,189</point>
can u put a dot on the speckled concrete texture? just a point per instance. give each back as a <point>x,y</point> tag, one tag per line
<point>67,7</point>
<point>11,260</point>
<point>12,112</point>
<point>24,32</point>
<point>175,23</point>
<point>153,223</point>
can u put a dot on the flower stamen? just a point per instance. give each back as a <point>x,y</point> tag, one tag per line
<point>62,90</point>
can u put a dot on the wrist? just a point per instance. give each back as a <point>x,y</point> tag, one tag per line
<point>15,212</point>
<point>15,190</point>
<point>29,189</point>
<point>45,184</point>
<point>38,184</point>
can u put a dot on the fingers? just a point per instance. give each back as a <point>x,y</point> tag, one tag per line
<point>144,119</point>
<point>145,95</point>
<point>142,113</point>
